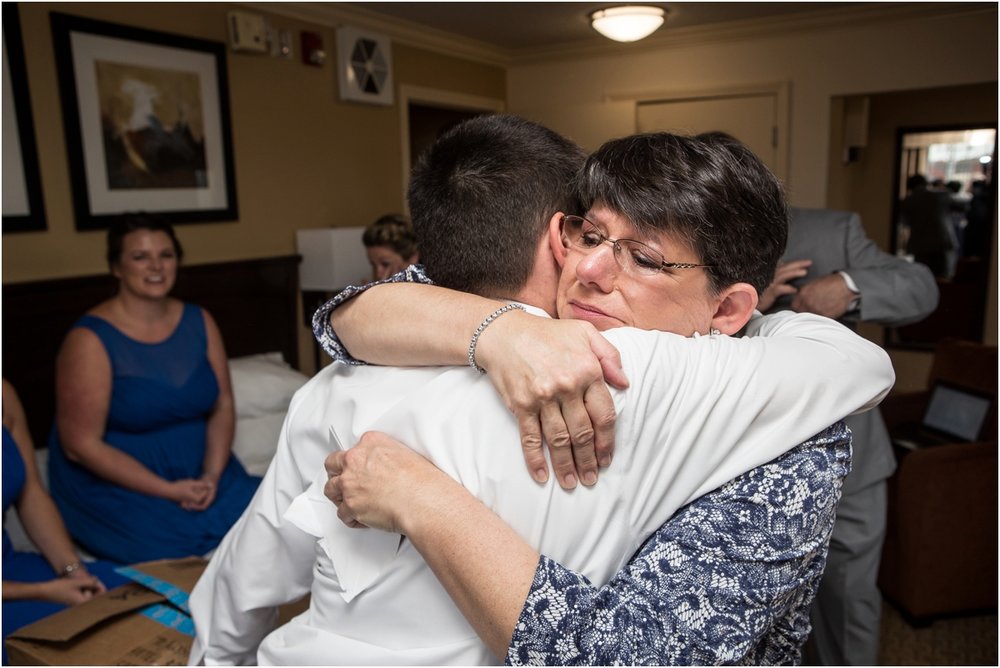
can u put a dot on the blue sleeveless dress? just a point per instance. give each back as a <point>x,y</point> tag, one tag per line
<point>28,566</point>
<point>161,397</point>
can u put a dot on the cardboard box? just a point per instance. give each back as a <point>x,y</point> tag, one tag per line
<point>143,623</point>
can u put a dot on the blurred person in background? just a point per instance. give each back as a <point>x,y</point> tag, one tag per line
<point>38,584</point>
<point>391,245</point>
<point>141,461</point>
<point>831,268</point>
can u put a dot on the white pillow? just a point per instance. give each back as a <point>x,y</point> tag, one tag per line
<point>256,440</point>
<point>263,384</point>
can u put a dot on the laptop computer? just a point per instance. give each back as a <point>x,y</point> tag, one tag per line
<point>954,415</point>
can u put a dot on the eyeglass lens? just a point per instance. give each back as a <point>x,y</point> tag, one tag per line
<point>632,256</point>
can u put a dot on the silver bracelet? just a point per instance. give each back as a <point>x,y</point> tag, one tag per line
<point>69,569</point>
<point>482,327</point>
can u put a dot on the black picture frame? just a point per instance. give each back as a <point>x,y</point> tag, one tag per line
<point>146,117</point>
<point>23,205</point>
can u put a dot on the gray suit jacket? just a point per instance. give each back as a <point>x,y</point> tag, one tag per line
<point>893,292</point>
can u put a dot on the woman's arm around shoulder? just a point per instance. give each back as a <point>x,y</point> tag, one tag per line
<point>553,383</point>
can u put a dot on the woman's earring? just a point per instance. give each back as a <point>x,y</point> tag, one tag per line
<point>714,332</point>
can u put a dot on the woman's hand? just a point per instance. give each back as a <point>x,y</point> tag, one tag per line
<point>551,374</point>
<point>781,285</point>
<point>80,587</point>
<point>380,482</point>
<point>211,486</point>
<point>191,494</point>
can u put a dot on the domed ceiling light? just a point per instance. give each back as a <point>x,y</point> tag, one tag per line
<point>628,23</point>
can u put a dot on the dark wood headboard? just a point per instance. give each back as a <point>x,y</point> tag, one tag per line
<point>253,301</point>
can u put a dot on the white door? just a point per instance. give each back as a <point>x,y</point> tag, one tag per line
<point>753,119</point>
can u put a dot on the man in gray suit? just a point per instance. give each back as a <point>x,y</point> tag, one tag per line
<point>832,268</point>
<point>926,214</point>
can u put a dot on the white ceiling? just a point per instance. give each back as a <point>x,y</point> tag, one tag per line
<point>514,26</point>
<point>504,33</point>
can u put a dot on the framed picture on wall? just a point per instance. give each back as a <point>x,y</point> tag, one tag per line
<point>23,207</point>
<point>147,123</point>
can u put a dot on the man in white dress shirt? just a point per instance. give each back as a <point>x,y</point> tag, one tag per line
<point>699,411</point>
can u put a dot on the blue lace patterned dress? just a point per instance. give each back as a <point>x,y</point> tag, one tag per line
<point>161,397</point>
<point>29,566</point>
<point>728,580</point>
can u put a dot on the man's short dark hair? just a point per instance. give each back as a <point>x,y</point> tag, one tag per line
<point>709,190</point>
<point>481,198</point>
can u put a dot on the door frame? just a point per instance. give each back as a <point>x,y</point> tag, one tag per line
<point>781,90</point>
<point>444,99</point>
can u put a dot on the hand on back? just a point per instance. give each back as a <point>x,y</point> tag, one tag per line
<point>379,481</point>
<point>551,374</point>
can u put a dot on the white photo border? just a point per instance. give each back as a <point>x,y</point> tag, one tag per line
<point>79,42</point>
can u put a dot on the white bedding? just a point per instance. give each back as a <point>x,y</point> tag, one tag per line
<point>263,386</point>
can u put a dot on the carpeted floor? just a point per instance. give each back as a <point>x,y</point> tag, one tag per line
<point>959,641</point>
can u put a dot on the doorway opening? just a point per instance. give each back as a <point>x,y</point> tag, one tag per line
<point>425,113</point>
<point>427,123</point>
<point>943,203</point>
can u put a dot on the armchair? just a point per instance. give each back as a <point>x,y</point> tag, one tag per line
<point>940,552</point>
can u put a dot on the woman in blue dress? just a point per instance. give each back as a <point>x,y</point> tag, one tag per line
<point>141,464</point>
<point>35,585</point>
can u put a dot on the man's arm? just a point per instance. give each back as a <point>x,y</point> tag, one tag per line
<point>702,410</point>
<point>894,292</point>
<point>235,603</point>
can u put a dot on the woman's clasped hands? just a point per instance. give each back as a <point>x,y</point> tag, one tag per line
<point>193,494</point>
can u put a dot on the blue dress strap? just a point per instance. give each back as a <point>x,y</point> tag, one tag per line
<point>13,481</point>
<point>172,358</point>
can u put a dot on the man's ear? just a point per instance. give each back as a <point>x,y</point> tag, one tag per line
<point>555,238</point>
<point>736,305</point>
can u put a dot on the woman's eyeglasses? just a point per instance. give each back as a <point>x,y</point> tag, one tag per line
<point>633,256</point>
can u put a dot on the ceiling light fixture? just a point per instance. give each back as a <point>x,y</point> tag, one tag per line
<point>628,23</point>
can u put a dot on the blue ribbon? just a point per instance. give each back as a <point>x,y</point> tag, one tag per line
<point>171,617</point>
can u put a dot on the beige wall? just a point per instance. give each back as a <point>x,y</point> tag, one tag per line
<point>583,96</point>
<point>303,158</point>
<point>858,56</point>
<point>866,186</point>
